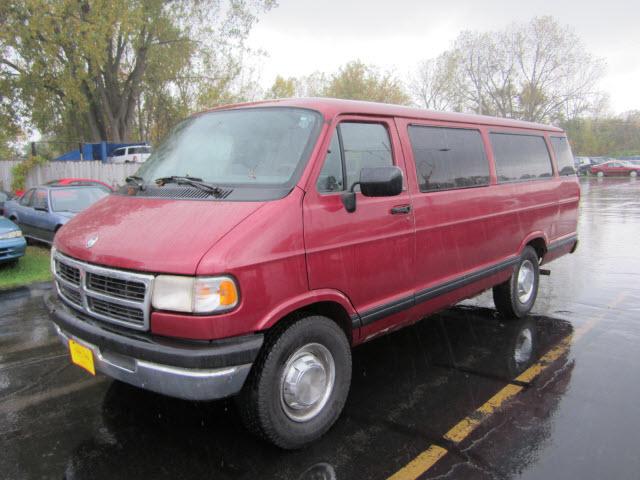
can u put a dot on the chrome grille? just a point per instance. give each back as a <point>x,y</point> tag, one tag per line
<point>71,295</point>
<point>70,274</point>
<point>115,296</point>
<point>113,310</point>
<point>116,286</point>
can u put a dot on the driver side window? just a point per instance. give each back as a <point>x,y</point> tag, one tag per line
<point>26,198</point>
<point>354,146</point>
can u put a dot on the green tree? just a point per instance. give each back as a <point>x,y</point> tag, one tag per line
<point>283,88</point>
<point>9,127</point>
<point>607,136</point>
<point>357,81</point>
<point>104,69</point>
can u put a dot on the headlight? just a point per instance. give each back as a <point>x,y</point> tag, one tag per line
<point>12,234</point>
<point>194,294</point>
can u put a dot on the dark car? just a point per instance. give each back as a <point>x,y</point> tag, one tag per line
<point>41,211</point>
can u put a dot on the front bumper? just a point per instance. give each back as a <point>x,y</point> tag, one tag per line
<point>12,248</point>
<point>188,370</point>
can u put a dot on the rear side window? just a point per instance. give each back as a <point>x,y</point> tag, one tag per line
<point>448,158</point>
<point>354,146</point>
<point>562,149</point>
<point>520,157</point>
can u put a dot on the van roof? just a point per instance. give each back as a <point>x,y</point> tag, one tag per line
<point>331,107</point>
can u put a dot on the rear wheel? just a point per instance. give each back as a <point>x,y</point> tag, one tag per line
<point>299,383</point>
<point>515,297</point>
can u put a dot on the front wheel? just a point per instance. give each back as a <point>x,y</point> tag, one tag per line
<point>515,297</point>
<point>299,384</point>
<point>600,174</point>
<point>633,173</point>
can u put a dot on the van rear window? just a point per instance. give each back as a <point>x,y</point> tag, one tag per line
<point>447,158</point>
<point>520,157</point>
<point>562,149</point>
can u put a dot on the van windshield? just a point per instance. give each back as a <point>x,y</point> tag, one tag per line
<point>245,148</point>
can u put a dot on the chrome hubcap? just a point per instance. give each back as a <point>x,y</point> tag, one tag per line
<point>526,278</point>
<point>524,347</point>
<point>307,382</point>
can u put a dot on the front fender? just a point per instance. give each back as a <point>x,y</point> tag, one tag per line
<point>304,300</point>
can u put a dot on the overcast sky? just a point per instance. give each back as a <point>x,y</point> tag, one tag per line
<point>302,36</point>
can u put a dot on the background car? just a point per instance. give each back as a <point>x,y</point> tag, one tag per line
<point>4,196</point>
<point>615,168</point>
<point>81,182</point>
<point>12,243</point>
<point>41,211</point>
<point>131,154</point>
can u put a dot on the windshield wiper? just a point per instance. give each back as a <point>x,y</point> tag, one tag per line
<point>192,182</point>
<point>135,180</point>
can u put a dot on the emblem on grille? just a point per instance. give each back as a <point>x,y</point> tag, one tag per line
<point>92,241</point>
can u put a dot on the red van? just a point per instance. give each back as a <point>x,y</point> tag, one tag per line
<point>261,242</point>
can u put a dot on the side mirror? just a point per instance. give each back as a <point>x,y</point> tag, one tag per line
<point>374,182</point>
<point>381,181</point>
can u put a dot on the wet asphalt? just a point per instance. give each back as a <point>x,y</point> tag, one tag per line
<point>579,418</point>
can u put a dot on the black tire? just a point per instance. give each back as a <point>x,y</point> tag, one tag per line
<point>505,295</point>
<point>260,402</point>
<point>10,264</point>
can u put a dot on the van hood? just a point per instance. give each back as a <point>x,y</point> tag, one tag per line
<point>150,234</point>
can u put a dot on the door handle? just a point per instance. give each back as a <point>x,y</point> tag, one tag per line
<point>401,209</point>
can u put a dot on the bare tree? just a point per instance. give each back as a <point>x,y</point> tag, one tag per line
<point>432,85</point>
<point>538,72</point>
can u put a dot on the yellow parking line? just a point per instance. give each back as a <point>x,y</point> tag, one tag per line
<point>463,428</point>
<point>420,464</point>
<point>423,462</point>
<point>551,356</point>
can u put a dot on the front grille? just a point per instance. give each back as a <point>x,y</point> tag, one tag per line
<point>116,287</point>
<point>110,295</point>
<point>113,310</point>
<point>68,273</point>
<point>71,295</point>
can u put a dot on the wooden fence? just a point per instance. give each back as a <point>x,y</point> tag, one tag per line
<point>110,173</point>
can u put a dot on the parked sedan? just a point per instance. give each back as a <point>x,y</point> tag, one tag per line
<point>616,167</point>
<point>41,211</point>
<point>12,243</point>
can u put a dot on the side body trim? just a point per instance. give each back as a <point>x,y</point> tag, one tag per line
<point>396,306</point>
<point>562,243</point>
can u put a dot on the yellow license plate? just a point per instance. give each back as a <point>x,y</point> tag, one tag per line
<point>82,356</point>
